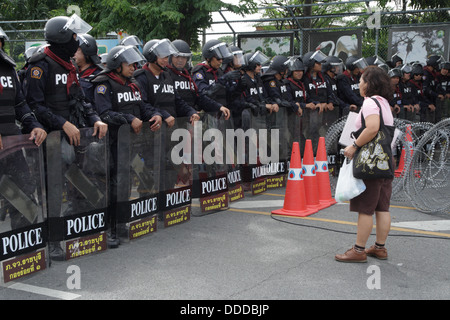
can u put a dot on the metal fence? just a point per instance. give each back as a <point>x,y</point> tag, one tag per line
<point>297,29</point>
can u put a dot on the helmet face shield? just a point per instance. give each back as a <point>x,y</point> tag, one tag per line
<point>238,58</point>
<point>76,25</point>
<point>129,54</point>
<point>361,63</point>
<point>318,56</point>
<point>258,58</point>
<point>164,48</point>
<point>221,51</point>
<point>337,67</point>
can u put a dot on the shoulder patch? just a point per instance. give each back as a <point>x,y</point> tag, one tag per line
<point>36,73</point>
<point>199,76</point>
<point>272,84</point>
<point>101,89</point>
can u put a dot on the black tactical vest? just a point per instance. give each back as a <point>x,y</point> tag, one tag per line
<point>160,92</point>
<point>56,97</point>
<point>123,98</point>
<point>8,100</point>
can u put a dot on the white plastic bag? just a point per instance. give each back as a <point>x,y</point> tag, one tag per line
<point>348,186</point>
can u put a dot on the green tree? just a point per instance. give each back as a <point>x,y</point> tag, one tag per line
<point>157,19</point>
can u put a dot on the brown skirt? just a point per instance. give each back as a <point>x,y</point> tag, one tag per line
<point>376,197</point>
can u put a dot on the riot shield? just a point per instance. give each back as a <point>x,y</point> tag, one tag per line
<point>234,168</point>
<point>77,188</point>
<point>210,182</point>
<point>267,153</point>
<point>23,212</point>
<point>312,126</point>
<point>137,181</point>
<point>176,172</point>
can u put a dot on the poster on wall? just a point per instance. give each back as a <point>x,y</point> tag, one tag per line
<point>416,44</point>
<point>341,44</point>
<point>270,44</point>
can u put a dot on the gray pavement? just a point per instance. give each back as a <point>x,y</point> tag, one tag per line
<point>244,253</point>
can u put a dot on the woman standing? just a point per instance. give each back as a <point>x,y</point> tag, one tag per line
<point>374,83</point>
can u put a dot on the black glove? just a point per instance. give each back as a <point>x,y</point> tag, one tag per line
<point>232,75</point>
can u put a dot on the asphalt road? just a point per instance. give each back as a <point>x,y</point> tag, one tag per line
<point>244,253</point>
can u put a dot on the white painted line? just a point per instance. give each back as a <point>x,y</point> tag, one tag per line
<point>430,225</point>
<point>257,204</point>
<point>44,291</point>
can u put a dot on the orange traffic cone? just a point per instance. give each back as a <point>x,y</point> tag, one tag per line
<point>294,199</point>
<point>323,175</point>
<point>309,176</point>
<point>409,144</point>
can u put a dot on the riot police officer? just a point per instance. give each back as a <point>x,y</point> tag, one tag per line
<point>184,84</point>
<point>88,63</point>
<point>396,102</point>
<point>53,90</point>
<point>314,120</point>
<point>348,83</point>
<point>54,94</point>
<point>331,68</point>
<point>210,78</point>
<point>431,84</point>
<point>256,98</point>
<point>118,100</point>
<point>158,87</point>
<point>295,89</point>
<point>14,106</point>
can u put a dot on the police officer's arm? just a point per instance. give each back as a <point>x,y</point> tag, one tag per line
<point>296,106</point>
<point>36,85</point>
<point>103,104</point>
<point>27,118</point>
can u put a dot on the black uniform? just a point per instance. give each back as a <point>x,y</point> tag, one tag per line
<point>52,100</point>
<point>188,91</point>
<point>160,93</point>
<point>348,88</point>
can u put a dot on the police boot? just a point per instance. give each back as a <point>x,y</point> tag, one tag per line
<point>55,251</point>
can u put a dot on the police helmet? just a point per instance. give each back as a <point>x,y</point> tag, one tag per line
<point>434,61</point>
<point>375,61</point>
<point>354,62</point>
<point>183,51</point>
<point>406,68</point>
<point>417,69</point>
<point>61,29</point>
<point>252,59</point>
<point>279,64</point>
<point>237,57</point>
<point>333,64</point>
<point>217,49</point>
<point>395,72</point>
<point>131,41</point>
<point>313,57</point>
<point>118,54</point>
<point>89,47</point>
<point>444,65</point>
<point>158,48</point>
<point>396,58</point>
